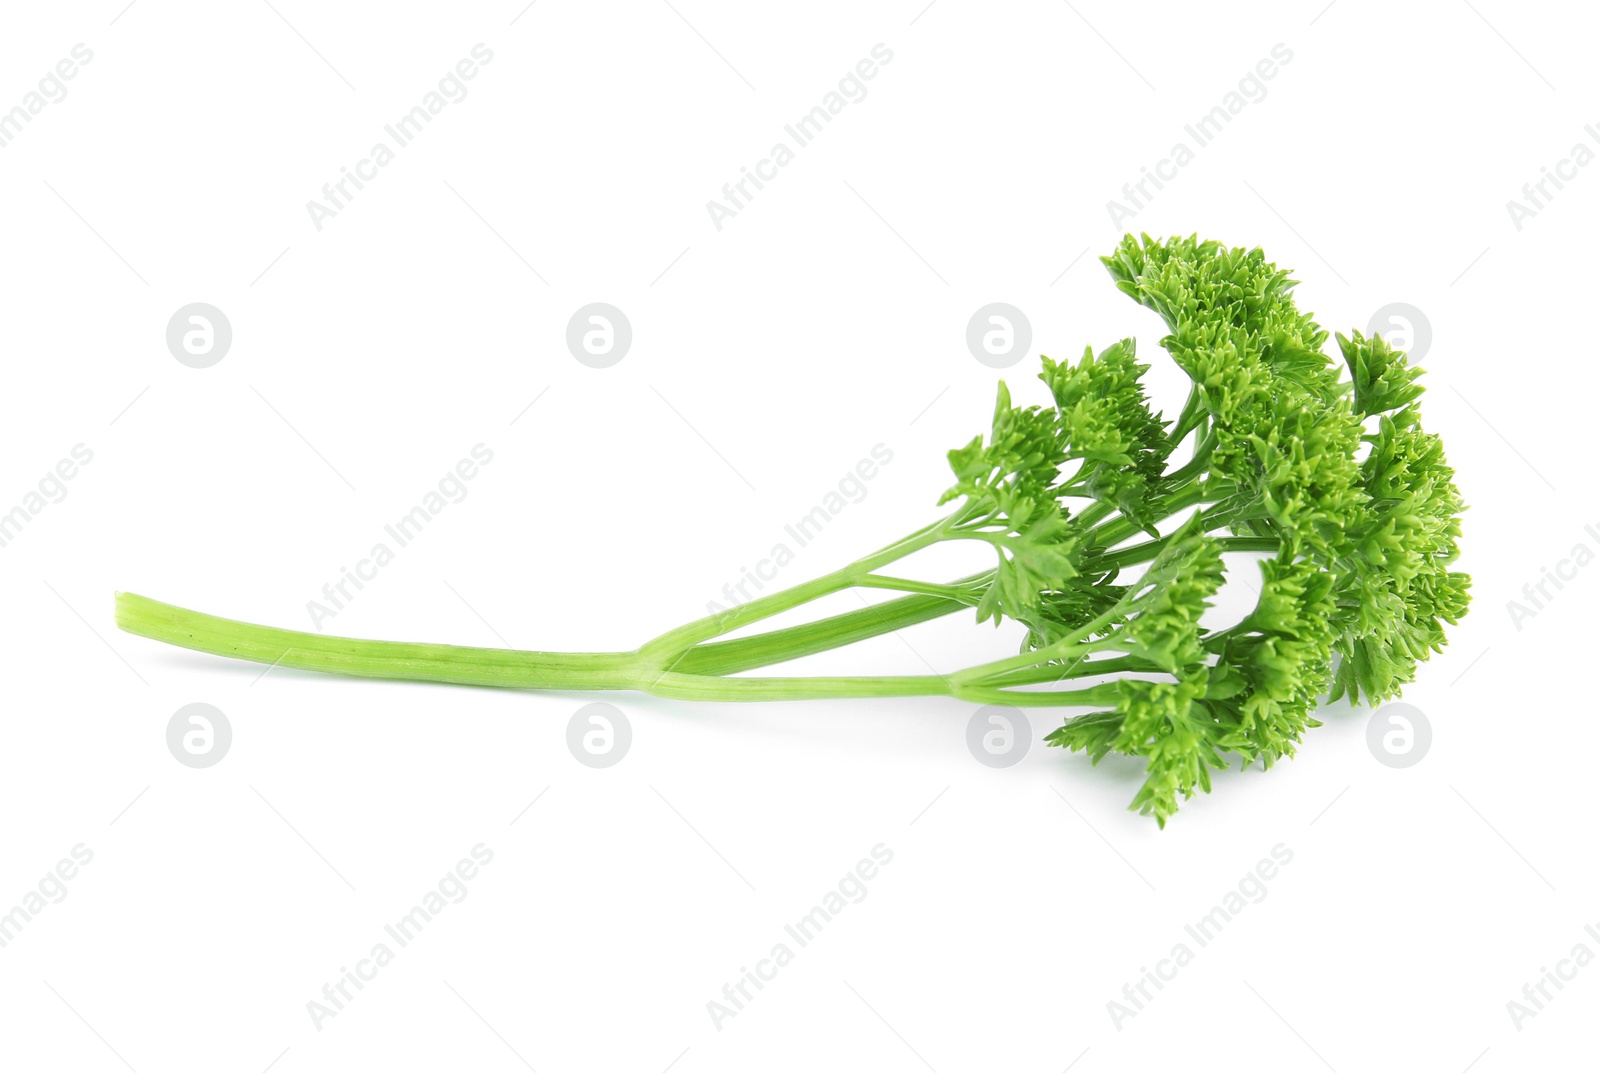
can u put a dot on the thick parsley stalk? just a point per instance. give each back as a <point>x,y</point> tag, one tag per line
<point>1108,525</point>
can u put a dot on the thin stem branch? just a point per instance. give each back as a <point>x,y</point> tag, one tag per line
<point>1182,426</point>
<point>927,588</point>
<point>672,644</point>
<point>1139,553</point>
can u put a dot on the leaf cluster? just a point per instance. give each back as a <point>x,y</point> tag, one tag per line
<point>1325,465</point>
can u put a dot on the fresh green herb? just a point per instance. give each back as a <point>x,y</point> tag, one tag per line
<point>1274,452</point>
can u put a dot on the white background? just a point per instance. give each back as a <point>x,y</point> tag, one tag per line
<point>768,358</point>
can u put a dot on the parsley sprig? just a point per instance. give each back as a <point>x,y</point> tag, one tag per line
<point>1109,525</point>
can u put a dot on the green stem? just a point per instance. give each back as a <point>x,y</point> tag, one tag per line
<point>1088,516</point>
<point>409,661</point>
<point>1113,532</point>
<point>672,644</point>
<point>375,659</point>
<point>1087,668</point>
<point>927,588</point>
<point>1094,696</point>
<point>1059,649</point>
<point>793,642</point>
<point>1187,417</point>
<point>778,646</point>
<point>1139,553</point>
<point>1196,465</point>
<point>711,687</point>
